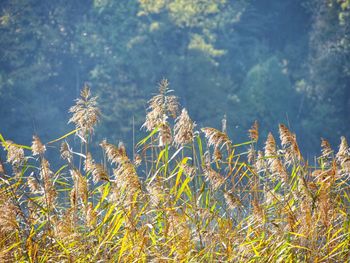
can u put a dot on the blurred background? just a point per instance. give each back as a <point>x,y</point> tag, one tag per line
<point>272,61</point>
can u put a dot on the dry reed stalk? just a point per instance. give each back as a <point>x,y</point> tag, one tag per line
<point>2,169</point>
<point>180,234</point>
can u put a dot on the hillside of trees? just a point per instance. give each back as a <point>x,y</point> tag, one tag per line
<point>272,61</point>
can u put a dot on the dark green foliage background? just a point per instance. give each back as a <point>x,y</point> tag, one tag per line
<point>274,61</point>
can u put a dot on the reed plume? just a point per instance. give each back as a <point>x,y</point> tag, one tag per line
<point>37,147</point>
<point>15,154</point>
<point>66,152</point>
<point>183,129</point>
<point>215,137</point>
<point>161,106</point>
<point>254,132</point>
<point>86,114</point>
<point>215,179</point>
<point>114,154</point>
<point>80,186</point>
<point>98,171</point>
<point>289,144</point>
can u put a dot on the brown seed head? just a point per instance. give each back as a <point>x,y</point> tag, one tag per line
<point>37,147</point>
<point>15,154</point>
<point>215,179</point>
<point>183,129</point>
<point>254,132</point>
<point>86,114</point>
<point>215,137</point>
<point>114,154</point>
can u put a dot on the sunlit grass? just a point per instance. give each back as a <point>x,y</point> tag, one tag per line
<point>185,195</point>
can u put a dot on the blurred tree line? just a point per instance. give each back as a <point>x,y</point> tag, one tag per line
<point>274,61</point>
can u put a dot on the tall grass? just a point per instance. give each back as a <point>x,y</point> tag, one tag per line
<point>186,195</point>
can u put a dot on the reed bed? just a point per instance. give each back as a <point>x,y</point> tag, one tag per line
<point>183,195</point>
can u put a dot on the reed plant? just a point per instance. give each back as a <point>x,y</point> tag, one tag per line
<point>184,195</point>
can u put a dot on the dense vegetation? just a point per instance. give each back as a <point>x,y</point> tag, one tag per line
<point>185,195</point>
<point>275,61</point>
<point>187,185</point>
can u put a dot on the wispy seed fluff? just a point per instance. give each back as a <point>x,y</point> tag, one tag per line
<point>37,147</point>
<point>98,172</point>
<point>289,144</point>
<point>215,137</point>
<point>66,153</point>
<point>165,137</point>
<point>344,151</point>
<point>86,114</point>
<point>326,149</point>
<point>232,200</point>
<point>9,211</point>
<point>215,179</point>
<point>183,129</point>
<point>80,186</point>
<point>160,106</point>
<point>114,154</point>
<point>343,155</point>
<point>254,132</point>
<point>15,154</point>
<point>50,193</point>
<point>274,163</point>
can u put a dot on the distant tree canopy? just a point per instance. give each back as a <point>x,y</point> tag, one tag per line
<point>275,61</point>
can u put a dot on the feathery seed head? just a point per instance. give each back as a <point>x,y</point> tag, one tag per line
<point>215,179</point>
<point>344,150</point>
<point>289,144</point>
<point>165,137</point>
<point>66,153</point>
<point>254,132</point>
<point>37,147</point>
<point>326,149</point>
<point>33,185</point>
<point>161,106</point>
<point>270,146</point>
<point>114,154</point>
<point>97,170</point>
<point>215,137</point>
<point>86,114</point>
<point>15,154</point>
<point>183,129</point>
